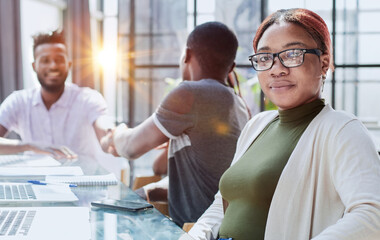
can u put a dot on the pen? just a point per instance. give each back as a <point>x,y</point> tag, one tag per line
<point>53,183</point>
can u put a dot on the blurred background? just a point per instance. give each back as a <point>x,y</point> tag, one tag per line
<point>129,50</point>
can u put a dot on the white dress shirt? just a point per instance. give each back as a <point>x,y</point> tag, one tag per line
<point>68,122</point>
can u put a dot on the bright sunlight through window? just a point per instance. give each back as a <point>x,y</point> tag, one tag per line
<point>107,58</point>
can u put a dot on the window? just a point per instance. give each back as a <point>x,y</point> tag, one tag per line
<point>160,28</point>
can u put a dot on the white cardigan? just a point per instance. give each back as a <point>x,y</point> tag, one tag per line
<point>328,190</point>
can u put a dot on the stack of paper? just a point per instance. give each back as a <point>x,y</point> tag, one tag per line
<point>40,171</point>
<point>28,161</point>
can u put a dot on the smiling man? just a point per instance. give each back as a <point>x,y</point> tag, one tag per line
<point>56,116</point>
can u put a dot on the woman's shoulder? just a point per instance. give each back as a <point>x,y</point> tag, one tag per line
<point>328,114</point>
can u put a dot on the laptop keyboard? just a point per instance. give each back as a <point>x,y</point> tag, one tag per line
<point>16,222</point>
<point>17,192</point>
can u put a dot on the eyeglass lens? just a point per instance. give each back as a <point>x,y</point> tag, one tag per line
<point>289,58</point>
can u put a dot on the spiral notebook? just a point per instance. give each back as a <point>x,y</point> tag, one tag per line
<point>86,180</point>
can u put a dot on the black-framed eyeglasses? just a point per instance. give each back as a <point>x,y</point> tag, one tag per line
<point>289,58</point>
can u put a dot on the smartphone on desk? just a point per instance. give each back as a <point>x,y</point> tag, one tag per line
<point>123,205</point>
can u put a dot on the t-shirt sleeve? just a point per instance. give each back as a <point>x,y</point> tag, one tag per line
<point>95,105</point>
<point>176,114</point>
<point>9,111</point>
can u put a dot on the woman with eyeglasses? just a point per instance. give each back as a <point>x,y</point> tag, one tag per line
<point>305,171</point>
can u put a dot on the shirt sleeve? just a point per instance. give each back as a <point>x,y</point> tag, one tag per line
<point>355,173</point>
<point>95,105</point>
<point>176,114</point>
<point>9,112</point>
<point>207,226</point>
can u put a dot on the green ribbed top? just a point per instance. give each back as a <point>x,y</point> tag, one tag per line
<point>249,185</point>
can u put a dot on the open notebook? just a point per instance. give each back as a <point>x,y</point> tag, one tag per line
<point>86,180</point>
<point>45,223</point>
<point>26,192</point>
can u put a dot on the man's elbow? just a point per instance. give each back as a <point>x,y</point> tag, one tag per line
<point>130,154</point>
<point>128,151</point>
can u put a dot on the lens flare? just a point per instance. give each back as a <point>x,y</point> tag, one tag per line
<point>107,58</point>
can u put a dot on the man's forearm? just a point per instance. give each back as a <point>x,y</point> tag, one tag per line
<point>11,146</point>
<point>121,139</point>
<point>131,143</point>
<point>102,125</point>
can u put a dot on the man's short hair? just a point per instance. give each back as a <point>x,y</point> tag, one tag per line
<point>50,37</point>
<point>214,45</point>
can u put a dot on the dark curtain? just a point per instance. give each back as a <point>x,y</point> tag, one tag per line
<point>10,48</point>
<point>79,39</point>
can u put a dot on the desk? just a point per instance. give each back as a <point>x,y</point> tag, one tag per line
<point>112,224</point>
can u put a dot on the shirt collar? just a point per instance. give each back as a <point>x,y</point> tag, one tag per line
<point>37,98</point>
<point>63,101</point>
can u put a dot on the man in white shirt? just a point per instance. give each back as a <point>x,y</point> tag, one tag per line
<point>56,116</point>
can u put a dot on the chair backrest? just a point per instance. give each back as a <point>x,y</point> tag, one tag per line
<point>125,176</point>
<point>139,182</point>
<point>144,180</point>
<point>161,206</point>
<point>187,226</point>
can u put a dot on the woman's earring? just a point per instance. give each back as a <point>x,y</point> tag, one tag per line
<point>323,81</point>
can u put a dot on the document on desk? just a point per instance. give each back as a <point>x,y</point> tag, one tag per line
<point>28,161</point>
<point>45,223</point>
<point>40,171</point>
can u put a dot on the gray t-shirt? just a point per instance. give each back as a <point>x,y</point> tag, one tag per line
<point>203,120</point>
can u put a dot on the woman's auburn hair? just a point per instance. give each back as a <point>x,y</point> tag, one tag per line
<point>308,20</point>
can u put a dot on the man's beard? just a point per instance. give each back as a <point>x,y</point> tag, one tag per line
<point>52,88</point>
<point>55,88</point>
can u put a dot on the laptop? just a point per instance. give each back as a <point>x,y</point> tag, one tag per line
<point>26,192</point>
<point>45,223</point>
